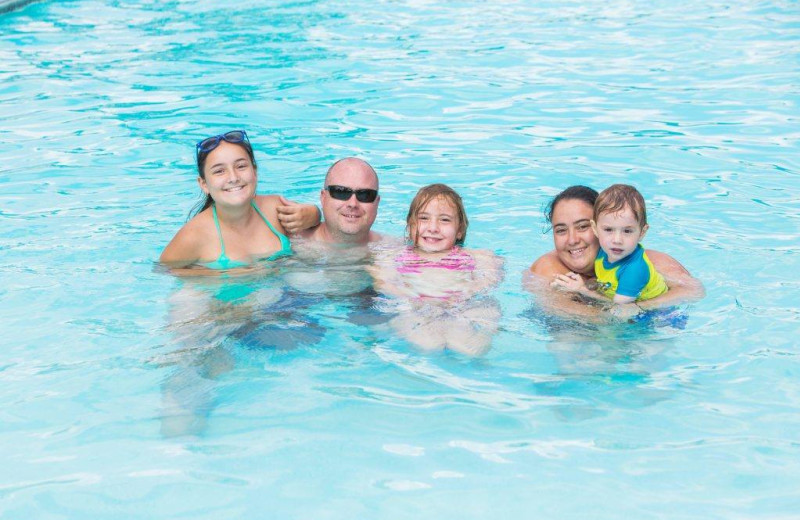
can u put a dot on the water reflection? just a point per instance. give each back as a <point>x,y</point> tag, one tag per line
<point>216,322</point>
<point>604,363</point>
<point>210,320</point>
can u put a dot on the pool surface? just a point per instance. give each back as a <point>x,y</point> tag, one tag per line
<point>130,393</point>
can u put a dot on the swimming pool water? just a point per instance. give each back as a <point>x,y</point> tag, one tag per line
<point>101,104</point>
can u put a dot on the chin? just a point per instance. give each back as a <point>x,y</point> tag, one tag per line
<point>351,230</point>
<point>580,269</point>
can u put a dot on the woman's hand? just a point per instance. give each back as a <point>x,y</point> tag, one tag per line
<point>295,217</point>
<point>625,311</point>
<point>570,282</point>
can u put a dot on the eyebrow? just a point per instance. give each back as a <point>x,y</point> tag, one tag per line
<point>565,224</point>
<point>449,215</point>
<point>235,162</point>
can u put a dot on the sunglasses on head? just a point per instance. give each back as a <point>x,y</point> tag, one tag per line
<point>344,193</point>
<point>209,143</point>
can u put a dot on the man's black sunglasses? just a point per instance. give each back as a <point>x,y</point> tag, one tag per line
<point>344,193</point>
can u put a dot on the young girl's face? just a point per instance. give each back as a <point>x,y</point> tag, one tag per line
<point>437,226</point>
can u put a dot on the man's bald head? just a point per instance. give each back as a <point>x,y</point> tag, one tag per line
<point>349,166</point>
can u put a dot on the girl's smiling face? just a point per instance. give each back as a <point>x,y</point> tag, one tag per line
<point>230,177</point>
<point>437,226</point>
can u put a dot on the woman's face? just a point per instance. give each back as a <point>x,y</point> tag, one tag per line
<point>575,242</point>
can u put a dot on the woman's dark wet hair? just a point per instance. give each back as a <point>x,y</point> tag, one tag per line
<point>207,201</point>
<point>584,193</point>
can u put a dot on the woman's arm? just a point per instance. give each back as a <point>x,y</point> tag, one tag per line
<point>559,303</point>
<point>683,287</point>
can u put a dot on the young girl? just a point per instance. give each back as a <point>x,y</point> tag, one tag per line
<point>438,281</point>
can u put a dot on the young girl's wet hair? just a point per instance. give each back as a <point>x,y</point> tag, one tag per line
<point>207,201</point>
<point>427,194</point>
<point>617,197</point>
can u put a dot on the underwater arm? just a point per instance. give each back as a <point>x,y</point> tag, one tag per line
<point>385,278</point>
<point>489,270</point>
<point>559,303</point>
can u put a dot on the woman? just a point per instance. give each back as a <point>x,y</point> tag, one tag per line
<point>570,214</point>
<point>234,226</point>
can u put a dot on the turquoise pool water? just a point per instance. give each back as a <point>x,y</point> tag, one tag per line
<point>100,106</point>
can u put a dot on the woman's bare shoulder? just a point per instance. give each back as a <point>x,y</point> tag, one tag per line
<point>548,265</point>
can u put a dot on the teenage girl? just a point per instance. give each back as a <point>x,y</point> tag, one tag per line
<point>233,226</point>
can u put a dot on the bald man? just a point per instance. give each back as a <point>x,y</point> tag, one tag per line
<point>349,201</point>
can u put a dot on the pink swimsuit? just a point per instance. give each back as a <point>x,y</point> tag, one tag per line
<point>410,262</point>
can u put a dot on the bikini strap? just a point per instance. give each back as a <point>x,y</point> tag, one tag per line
<point>285,244</point>
<point>219,231</point>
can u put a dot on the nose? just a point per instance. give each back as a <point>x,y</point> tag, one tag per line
<point>573,236</point>
<point>617,237</point>
<point>233,175</point>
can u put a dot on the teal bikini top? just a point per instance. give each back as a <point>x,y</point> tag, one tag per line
<point>223,262</point>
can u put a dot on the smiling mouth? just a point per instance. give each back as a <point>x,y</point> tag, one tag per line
<point>577,252</point>
<point>234,188</point>
<point>432,240</point>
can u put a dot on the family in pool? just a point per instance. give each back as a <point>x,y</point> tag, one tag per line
<point>438,290</point>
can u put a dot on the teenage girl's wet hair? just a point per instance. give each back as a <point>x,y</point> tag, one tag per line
<point>207,201</point>
<point>427,194</point>
<point>617,197</point>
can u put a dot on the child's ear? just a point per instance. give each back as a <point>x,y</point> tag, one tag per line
<point>202,184</point>
<point>594,228</point>
<point>644,232</point>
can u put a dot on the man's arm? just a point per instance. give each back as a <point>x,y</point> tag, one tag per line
<point>296,218</point>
